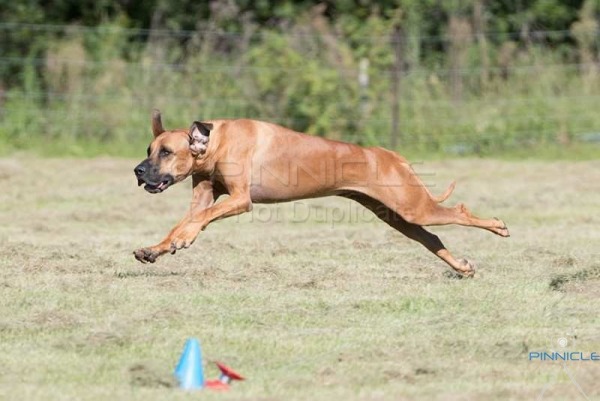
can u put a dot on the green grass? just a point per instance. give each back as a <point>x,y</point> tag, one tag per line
<point>136,145</point>
<point>307,308</point>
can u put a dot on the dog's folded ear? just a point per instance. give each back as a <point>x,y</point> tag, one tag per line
<point>199,134</point>
<point>201,128</point>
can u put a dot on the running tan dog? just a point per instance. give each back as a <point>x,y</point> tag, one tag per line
<point>258,162</point>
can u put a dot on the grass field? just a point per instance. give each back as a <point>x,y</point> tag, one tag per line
<point>313,300</point>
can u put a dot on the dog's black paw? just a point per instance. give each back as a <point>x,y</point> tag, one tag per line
<point>145,255</point>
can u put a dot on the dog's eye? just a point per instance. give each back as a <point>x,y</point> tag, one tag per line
<point>164,152</point>
<point>148,151</point>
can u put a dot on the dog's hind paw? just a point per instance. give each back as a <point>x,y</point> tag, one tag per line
<point>502,230</point>
<point>468,268</point>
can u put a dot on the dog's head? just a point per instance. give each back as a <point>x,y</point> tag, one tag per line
<point>171,154</point>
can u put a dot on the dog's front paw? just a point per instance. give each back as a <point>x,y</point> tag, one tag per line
<point>146,255</point>
<point>181,243</point>
<point>182,239</point>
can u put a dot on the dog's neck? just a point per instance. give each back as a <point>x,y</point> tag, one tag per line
<point>204,163</point>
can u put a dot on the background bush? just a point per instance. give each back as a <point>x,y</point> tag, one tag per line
<point>471,77</point>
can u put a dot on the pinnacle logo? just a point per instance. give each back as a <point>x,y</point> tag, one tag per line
<point>565,355</point>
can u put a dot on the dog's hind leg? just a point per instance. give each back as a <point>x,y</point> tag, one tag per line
<point>459,214</point>
<point>400,189</point>
<point>411,199</point>
<point>414,232</point>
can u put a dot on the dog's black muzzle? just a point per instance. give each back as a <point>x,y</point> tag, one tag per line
<point>148,174</point>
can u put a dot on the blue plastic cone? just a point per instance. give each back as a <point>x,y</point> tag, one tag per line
<point>189,371</point>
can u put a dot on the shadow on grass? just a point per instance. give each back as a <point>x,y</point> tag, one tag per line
<point>147,273</point>
<point>559,282</point>
<point>144,375</point>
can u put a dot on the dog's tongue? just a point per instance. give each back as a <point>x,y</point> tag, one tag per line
<point>161,185</point>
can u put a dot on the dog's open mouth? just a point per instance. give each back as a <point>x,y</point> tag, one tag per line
<point>155,188</point>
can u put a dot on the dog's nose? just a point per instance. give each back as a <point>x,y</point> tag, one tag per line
<point>139,170</point>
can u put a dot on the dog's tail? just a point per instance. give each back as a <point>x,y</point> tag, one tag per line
<point>445,195</point>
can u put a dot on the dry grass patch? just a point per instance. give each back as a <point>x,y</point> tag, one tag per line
<point>305,306</point>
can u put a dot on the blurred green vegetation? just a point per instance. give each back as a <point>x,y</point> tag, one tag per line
<point>475,77</point>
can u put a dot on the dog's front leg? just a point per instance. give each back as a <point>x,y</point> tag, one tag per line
<point>185,235</point>
<point>204,196</point>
